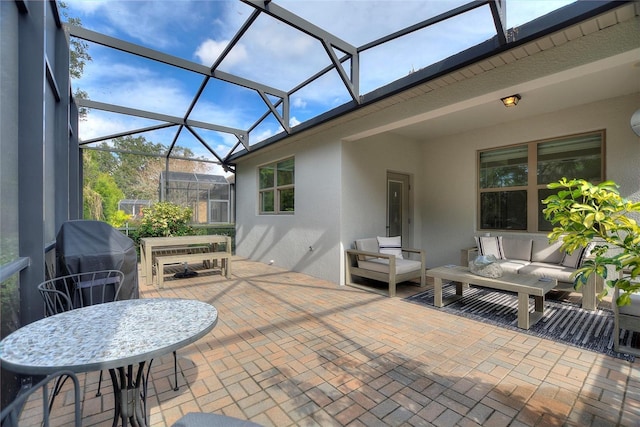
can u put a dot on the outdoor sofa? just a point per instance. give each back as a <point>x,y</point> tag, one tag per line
<point>533,254</point>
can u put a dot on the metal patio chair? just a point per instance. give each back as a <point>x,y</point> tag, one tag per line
<point>10,416</point>
<point>80,290</point>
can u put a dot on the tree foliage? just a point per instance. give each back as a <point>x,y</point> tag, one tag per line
<point>584,212</point>
<point>165,219</point>
<point>78,56</point>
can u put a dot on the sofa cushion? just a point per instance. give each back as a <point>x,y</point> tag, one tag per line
<point>633,309</point>
<point>543,251</point>
<point>382,265</point>
<point>512,265</point>
<point>515,248</point>
<point>576,258</point>
<point>390,246</point>
<point>489,246</point>
<point>368,245</point>
<point>552,271</point>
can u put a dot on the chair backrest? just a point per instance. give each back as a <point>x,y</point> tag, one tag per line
<point>80,290</point>
<point>10,416</point>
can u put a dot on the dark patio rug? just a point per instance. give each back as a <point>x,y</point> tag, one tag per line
<point>563,321</point>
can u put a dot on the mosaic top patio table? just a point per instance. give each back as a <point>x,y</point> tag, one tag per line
<point>523,284</point>
<point>121,336</point>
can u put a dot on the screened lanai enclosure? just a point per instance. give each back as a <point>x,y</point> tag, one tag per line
<point>209,196</point>
<point>220,82</point>
<point>133,207</point>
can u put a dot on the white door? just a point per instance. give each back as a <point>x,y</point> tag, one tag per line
<point>398,219</point>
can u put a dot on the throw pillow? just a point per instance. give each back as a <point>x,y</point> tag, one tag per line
<point>489,246</point>
<point>574,259</point>
<point>390,246</point>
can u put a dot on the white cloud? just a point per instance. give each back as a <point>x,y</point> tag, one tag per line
<point>294,121</point>
<point>298,102</point>
<point>209,51</point>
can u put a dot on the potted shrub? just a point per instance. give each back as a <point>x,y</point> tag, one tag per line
<point>583,213</point>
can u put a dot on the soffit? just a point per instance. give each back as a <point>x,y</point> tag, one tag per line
<point>593,79</point>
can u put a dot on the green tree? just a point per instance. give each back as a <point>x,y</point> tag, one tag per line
<point>136,164</point>
<point>110,193</point>
<point>78,56</point>
<point>584,212</point>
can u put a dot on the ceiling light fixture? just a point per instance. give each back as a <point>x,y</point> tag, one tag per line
<point>511,101</point>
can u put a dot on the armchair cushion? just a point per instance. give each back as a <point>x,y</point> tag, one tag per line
<point>390,246</point>
<point>368,262</point>
<point>382,265</point>
<point>367,245</point>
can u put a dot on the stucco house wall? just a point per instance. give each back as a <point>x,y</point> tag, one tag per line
<point>341,165</point>
<point>309,240</point>
<point>449,217</point>
<point>365,164</point>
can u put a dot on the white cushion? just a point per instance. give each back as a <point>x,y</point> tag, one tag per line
<point>390,246</point>
<point>515,248</point>
<point>382,265</point>
<point>575,259</point>
<point>543,251</point>
<point>633,309</point>
<point>552,271</point>
<point>489,246</point>
<point>512,265</point>
<point>367,245</point>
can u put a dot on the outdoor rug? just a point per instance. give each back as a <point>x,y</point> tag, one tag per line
<point>563,321</point>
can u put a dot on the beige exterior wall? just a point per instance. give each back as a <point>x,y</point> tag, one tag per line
<point>341,166</point>
<point>341,187</point>
<point>449,188</point>
<point>309,240</point>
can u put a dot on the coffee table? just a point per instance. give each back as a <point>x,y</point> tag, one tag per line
<point>524,285</point>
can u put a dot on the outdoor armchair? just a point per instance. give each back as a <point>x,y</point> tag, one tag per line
<point>384,260</point>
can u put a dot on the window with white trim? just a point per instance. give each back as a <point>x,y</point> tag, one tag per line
<point>276,182</point>
<point>510,195</point>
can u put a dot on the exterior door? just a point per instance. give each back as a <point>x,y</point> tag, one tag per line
<point>398,206</point>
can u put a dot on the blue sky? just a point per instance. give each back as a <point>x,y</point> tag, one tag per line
<point>269,53</point>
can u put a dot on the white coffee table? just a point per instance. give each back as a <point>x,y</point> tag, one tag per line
<point>524,285</point>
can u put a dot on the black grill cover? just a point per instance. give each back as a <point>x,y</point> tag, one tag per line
<point>84,246</point>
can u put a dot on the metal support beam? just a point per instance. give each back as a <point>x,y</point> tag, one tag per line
<point>283,118</point>
<point>126,133</point>
<point>499,13</point>
<point>173,120</point>
<point>329,42</point>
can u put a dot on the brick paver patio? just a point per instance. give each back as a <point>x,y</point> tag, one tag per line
<point>293,350</point>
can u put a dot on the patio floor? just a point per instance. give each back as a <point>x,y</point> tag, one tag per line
<point>290,349</point>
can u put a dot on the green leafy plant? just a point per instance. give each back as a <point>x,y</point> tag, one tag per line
<point>165,219</point>
<point>582,213</point>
